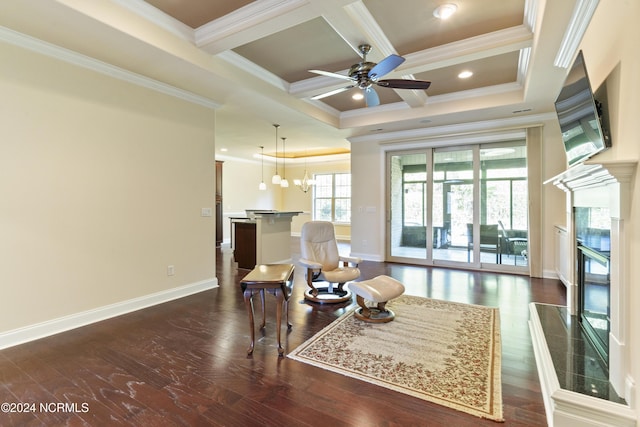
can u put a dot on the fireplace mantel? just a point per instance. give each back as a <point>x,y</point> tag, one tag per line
<point>604,183</point>
<point>591,174</point>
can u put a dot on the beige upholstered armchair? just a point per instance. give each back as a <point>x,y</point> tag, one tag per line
<point>320,256</point>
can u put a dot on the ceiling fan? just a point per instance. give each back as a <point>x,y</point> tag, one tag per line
<point>366,74</point>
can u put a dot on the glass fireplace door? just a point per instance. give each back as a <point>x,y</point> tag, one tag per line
<point>594,294</point>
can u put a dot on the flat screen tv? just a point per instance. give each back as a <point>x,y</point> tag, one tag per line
<point>580,116</point>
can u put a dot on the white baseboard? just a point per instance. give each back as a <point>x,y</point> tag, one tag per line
<point>550,274</point>
<point>368,257</point>
<point>66,323</point>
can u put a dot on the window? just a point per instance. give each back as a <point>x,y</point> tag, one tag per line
<point>332,197</point>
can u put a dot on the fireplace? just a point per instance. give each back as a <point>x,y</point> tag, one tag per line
<point>594,298</point>
<point>593,243</point>
<point>598,206</point>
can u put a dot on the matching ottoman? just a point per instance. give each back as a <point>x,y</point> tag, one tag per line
<point>379,290</point>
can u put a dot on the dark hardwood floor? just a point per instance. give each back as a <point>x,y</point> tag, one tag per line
<point>184,362</point>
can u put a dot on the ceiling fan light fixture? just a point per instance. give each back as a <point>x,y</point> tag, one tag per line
<point>444,11</point>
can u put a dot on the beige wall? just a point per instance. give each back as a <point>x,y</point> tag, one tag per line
<point>102,184</point>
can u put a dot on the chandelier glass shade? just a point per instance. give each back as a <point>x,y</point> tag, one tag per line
<point>305,183</point>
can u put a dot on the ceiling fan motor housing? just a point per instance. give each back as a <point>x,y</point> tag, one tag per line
<point>360,73</point>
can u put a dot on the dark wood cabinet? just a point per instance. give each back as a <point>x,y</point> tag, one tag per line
<point>218,210</point>
<point>244,251</point>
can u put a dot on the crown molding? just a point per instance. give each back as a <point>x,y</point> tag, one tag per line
<point>27,42</point>
<point>453,132</point>
<point>530,14</point>
<point>523,65</point>
<point>252,68</point>
<point>158,18</point>
<point>582,14</point>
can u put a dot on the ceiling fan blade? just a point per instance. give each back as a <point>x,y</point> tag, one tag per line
<point>332,92</point>
<point>385,66</point>
<point>371,97</point>
<point>329,74</point>
<point>404,84</point>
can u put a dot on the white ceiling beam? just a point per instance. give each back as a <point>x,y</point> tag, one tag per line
<point>496,43</point>
<point>471,49</point>
<point>252,22</point>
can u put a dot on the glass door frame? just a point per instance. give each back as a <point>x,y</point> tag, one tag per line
<point>429,260</point>
<point>389,238</point>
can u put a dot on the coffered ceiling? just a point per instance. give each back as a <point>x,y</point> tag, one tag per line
<point>251,59</point>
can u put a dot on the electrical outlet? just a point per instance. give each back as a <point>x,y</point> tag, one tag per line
<point>205,212</point>
<point>171,270</point>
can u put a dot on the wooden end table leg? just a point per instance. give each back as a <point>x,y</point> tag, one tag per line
<point>279,298</point>
<point>249,304</point>
<point>286,310</point>
<point>264,321</point>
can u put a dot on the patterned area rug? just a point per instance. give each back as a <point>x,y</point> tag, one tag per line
<point>443,352</point>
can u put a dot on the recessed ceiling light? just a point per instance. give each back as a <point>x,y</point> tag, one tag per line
<point>224,150</point>
<point>465,74</point>
<point>357,96</point>
<point>444,11</point>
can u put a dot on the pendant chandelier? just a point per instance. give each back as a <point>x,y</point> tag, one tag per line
<point>276,179</point>
<point>262,185</point>
<point>283,182</point>
<point>305,183</point>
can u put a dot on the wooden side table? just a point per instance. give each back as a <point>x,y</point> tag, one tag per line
<point>276,279</point>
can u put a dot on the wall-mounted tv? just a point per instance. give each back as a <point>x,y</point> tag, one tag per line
<point>580,116</point>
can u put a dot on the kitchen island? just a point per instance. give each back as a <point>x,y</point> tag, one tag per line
<point>262,237</point>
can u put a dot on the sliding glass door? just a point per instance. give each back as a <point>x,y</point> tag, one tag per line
<point>504,199</point>
<point>408,220</point>
<point>461,205</point>
<point>453,202</point>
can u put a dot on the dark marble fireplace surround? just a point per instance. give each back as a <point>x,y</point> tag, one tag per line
<point>580,386</point>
